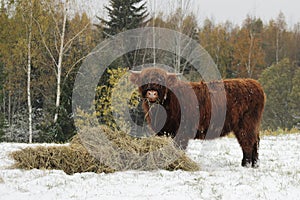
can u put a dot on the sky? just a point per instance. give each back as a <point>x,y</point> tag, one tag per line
<point>218,10</point>
<point>237,10</point>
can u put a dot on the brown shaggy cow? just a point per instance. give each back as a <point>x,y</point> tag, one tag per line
<point>165,96</point>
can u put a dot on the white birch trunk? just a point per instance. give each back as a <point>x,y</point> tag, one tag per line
<point>9,105</point>
<point>277,46</point>
<point>9,111</point>
<point>59,66</point>
<point>29,76</point>
<point>4,103</point>
<point>62,46</point>
<point>249,67</point>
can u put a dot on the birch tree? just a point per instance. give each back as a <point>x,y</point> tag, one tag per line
<point>2,106</point>
<point>14,49</point>
<point>184,21</point>
<point>296,43</point>
<point>28,43</point>
<point>61,13</point>
<point>216,40</point>
<point>275,40</point>
<point>29,71</point>
<point>248,53</point>
<point>280,29</point>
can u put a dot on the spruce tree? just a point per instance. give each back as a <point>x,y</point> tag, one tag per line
<point>278,85</point>
<point>123,15</point>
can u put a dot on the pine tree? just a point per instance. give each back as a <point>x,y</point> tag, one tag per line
<point>123,15</point>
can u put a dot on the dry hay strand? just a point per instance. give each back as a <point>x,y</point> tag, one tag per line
<point>70,160</point>
<point>99,149</point>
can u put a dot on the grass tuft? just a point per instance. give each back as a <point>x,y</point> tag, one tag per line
<point>100,149</point>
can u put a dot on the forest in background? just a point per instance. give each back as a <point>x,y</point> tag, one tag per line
<point>43,43</point>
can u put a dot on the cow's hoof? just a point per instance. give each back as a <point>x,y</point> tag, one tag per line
<point>246,163</point>
<point>255,164</point>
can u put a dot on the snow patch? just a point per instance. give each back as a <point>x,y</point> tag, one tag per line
<point>221,176</point>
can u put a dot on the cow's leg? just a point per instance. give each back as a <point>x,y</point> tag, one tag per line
<point>246,141</point>
<point>247,158</point>
<point>255,160</point>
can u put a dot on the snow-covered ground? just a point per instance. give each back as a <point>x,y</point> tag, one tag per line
<point>220,177</point>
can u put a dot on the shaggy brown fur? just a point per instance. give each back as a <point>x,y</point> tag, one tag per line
<point>244,106</point>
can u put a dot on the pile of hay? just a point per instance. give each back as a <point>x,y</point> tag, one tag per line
<point>100,149</point>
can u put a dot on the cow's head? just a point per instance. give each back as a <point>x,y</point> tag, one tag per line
<point>153,83</point>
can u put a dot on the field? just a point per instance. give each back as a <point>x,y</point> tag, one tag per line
<point>220,177</point>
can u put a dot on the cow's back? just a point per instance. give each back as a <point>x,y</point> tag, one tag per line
<point>243,99</point>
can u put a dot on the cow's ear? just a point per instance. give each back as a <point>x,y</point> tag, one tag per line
<point>171,79</point>
<point>135,77</point>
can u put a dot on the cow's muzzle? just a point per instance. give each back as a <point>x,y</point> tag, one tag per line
<point>152,95</point>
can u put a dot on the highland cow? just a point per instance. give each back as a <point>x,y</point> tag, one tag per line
<point>242,102</point>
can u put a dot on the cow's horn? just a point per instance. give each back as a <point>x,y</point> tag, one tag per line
<point>135,72</point>
<point>176,74</point>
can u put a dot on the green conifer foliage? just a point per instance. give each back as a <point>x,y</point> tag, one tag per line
<point>123,15</point>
